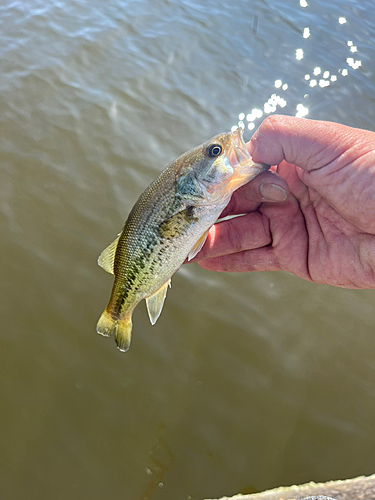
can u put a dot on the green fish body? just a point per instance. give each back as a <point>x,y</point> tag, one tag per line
<point>169,223</point>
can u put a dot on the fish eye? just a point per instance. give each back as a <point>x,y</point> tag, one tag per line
<point>214,150</point>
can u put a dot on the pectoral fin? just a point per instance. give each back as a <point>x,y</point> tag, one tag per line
<point>178,224</point>
<point>198,246</point>
<point>106,259</point>
<point>156,301</point>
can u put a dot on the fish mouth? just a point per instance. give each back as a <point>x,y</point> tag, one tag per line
<point>240,158</point>
<point>238,154</point>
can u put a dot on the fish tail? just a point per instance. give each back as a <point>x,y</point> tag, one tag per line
<point>122,327</point>
<point>124,333</point>
<point>106,325</point>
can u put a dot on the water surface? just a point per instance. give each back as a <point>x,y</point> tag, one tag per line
<point>246,382</point>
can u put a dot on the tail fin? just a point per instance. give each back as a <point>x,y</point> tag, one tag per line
<point>122,327</point>
<point>124,333</point>
<point>106,325</point>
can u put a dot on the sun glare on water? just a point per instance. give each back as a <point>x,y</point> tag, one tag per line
<point>319,77</point>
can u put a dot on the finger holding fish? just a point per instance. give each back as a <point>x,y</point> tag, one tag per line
<point>258,259</point>
<point>231,236</point>
<point>284,222</point>
<point>268,186</point>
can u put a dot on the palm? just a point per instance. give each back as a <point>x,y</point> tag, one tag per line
<point>312,240</point>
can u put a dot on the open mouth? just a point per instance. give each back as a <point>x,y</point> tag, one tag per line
<point>239,154</point>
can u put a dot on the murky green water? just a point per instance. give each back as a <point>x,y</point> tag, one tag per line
<point>247,381</point>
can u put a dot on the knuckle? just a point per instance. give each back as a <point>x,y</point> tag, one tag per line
<point>235,237</point>
<point>274,123</point>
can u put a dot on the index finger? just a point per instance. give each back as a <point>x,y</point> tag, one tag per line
<point>308,144</point>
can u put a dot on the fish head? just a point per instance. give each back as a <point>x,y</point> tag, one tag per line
<point>211,172</point>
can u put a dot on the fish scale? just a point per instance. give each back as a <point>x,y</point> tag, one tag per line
<point>169,223</point>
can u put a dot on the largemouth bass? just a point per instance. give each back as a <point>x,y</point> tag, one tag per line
<point>169,223</point>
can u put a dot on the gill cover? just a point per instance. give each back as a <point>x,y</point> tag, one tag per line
<point>221,165</point>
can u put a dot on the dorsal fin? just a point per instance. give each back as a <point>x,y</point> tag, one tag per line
<point>156,301</point>
<point>106,259</point>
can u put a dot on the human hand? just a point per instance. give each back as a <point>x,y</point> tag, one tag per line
<point>325,229</point>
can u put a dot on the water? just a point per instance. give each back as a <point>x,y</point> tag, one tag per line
<point>247,381</point>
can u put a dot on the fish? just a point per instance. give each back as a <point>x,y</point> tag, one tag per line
<point>169,225</point>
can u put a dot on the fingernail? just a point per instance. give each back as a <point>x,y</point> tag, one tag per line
<point>272,192</point>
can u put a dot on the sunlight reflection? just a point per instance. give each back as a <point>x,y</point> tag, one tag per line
<point>324,83</point>
<point>306,33</point>
<point>299,54</point>
<point>325,79</point>
<point>301,111</point>
<point>352,63</point>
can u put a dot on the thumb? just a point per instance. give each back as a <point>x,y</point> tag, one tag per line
<point>308,144</point>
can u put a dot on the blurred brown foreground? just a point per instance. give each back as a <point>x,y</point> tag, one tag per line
<point>360,488</point>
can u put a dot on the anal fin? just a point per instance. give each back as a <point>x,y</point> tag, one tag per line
<point>156,301</point>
